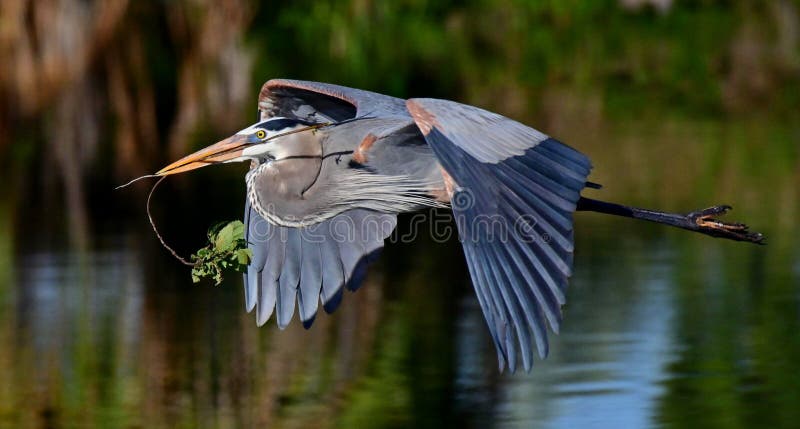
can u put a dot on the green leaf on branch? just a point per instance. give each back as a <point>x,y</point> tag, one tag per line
<point>226,250</point>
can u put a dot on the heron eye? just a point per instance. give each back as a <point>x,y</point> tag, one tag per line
<point>261,134</point>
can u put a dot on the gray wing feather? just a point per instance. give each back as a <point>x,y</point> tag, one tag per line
<point>290,277</point>
<point>273,246</point>
<point>314,101</point>
<point>267,297</point>
<point>461,124</point>
<point>306,266</point>
<point>350,253</point>
<point>259,257</point>
<point>496,324</point>
<point>310,282</point>
<point>332,275</point>
<point>530,184</point>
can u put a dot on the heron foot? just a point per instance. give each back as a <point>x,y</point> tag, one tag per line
<point>705,221</point>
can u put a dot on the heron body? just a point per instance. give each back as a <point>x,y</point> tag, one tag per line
<point>312,176</point>
<point>331,167</point>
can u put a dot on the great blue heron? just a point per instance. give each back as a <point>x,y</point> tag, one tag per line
<point>331,167</point>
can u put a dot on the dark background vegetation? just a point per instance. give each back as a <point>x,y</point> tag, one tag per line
<point>679,103</point>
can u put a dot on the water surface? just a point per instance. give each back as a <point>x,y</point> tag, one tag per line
<point>662,328</point>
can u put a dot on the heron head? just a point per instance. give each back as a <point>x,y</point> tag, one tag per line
<point>259,141</point>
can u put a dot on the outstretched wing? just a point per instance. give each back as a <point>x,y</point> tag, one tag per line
<point>514,193</point>
<point>306,266</point>
<point>319,102</point>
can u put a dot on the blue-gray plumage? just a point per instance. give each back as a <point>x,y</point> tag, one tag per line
<point>333,276</point>
<point>332,166</point>
<point>310,282</point>
<point>290,276</point>
<point>268,274</point>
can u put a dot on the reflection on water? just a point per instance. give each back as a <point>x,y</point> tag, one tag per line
<point>694,104</point>
<point>661,328</point>
<point>609,361</point>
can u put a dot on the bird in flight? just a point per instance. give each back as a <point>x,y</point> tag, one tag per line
<point>331,167</point>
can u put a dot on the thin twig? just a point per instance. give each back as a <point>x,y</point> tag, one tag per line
<point>149,216</point>
<point>136,180</point>
<point>150,195</point>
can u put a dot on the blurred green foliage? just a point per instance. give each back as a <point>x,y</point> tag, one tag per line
<point>636,60</point>
<point>693,105</point>
<point>552,64</point>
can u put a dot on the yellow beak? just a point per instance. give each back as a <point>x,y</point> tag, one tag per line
<point>221,151</point>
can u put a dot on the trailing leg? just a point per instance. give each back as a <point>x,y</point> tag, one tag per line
<point>703,221</point>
